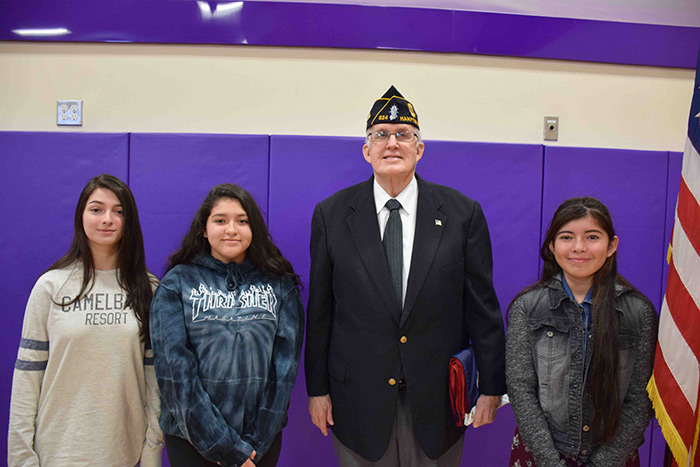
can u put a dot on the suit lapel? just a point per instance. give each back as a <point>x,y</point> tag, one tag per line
<point>430,223</point>
<point>364,228</point>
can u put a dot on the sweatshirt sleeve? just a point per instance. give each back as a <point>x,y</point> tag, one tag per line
<point>30,366</point>
<point>522,383</point>
<point>182,392</point>
<point>152,450</point>
<point>272,415</point>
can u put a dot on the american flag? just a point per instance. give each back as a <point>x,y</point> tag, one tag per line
<point>674,385</point>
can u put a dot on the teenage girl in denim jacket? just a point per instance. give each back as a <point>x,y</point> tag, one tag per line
<point>227,327</point>
<point>580,399</point>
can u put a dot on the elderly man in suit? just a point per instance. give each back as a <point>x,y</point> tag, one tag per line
<point>400,281</point>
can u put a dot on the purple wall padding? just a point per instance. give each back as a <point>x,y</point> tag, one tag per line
<point>172,173</point>
<point>303,171</point>
<point>575,39</point>
<point>353,26</point>
<point>632,184</point>
<point>42,176</point>
<point>505,178</point>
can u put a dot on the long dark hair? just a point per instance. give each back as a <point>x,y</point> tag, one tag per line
<point>133,276</point>
<point>262,252</point>
<point>604,369</point>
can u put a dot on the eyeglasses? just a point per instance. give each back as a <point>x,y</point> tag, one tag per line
<point>404,136</point>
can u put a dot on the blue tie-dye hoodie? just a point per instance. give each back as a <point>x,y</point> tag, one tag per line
<point>226,341</point>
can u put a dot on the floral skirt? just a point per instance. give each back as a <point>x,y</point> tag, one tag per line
<point>520,456</point>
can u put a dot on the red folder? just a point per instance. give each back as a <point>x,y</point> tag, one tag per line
<point>464,390</point>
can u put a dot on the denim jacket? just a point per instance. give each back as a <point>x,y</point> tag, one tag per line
<point>549,391</point>
<point>226,341</point>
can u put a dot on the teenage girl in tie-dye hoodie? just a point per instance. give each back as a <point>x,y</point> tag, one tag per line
<point>227,327</point>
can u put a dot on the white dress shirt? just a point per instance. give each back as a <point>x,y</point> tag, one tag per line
<point>409,204</point>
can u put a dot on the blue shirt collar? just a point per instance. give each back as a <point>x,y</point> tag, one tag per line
<point>588,300</point>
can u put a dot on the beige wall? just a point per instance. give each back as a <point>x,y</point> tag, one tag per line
<point>270,90</point>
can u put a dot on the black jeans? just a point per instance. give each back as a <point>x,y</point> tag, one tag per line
<point>182,454</point>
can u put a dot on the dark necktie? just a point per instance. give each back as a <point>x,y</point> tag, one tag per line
<point>393,246</point>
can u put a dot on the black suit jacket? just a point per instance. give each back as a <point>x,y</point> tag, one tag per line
<point>355,330</point>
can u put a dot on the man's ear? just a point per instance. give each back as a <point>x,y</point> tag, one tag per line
<point>365,153</point>
<point>419,151</point>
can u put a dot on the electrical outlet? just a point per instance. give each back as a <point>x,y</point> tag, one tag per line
<point>551,128</point>
<point>69,113</point>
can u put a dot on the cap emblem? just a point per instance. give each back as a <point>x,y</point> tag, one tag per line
<point>393,112</point>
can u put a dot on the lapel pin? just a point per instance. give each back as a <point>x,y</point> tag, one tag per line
<point>438,222</point>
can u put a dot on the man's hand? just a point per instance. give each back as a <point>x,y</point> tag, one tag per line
<point>321,410</point>
<point>486,407</point>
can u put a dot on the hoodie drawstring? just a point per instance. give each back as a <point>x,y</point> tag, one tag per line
<point>233,276</point>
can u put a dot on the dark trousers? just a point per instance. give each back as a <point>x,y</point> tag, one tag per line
<point>182,454</point>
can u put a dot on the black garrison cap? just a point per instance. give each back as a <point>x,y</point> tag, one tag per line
<point>392,107</point>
